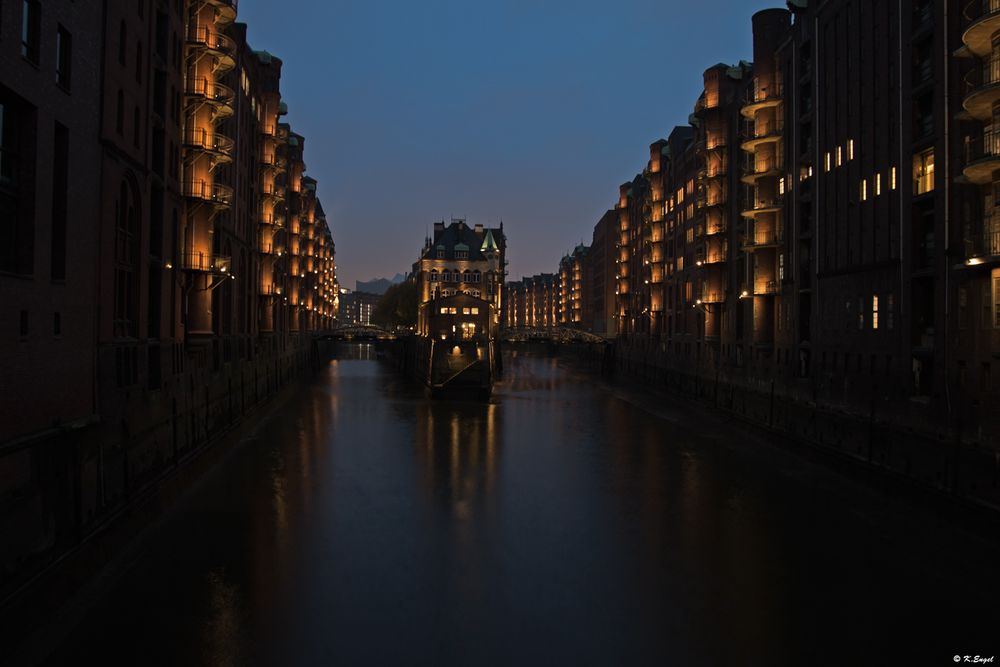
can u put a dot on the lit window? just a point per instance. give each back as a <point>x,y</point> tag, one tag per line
<point>465,311</point>
<point>781,185</point>
<point>878,184</point>
<point>840,156</point>
<point>892,179</point>
<point>850,149</point>
<point>826,161</point>
<point>475,311</point>
<point>923,172</point>
<point>875,311</point>
<point>444,311</point>
<point>864,189</point>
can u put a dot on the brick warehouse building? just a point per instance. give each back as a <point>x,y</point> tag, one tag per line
<point>825,222</point>
<point>166,261</point>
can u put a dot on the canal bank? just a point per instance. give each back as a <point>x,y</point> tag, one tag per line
<point>944,460</point>
<point>91,492</point>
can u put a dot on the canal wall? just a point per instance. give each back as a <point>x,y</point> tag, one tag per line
<point>68,487</point>
<point>885,437</point>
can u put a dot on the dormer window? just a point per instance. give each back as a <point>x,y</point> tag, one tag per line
<point>461,254</point>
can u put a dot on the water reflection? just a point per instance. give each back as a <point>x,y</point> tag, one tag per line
<point>558,524</point>
<point>456,448</point>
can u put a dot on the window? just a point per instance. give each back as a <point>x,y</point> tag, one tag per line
<point>64,57</point>
<point>120,113</point>
<point>892,179</point>
<point>875,311</point>
<point>440,253</point>
<point>850,149</point>
<point>30,26</point>
<point>826,161</point>
<point>122,42</point>
<point>923,172</point>
<point>60,184</point>
<point>138,62</point>
<point>840,156</point>
<point>475,310</point>
<point>864,189</point>
<point>126,260</point>
<point>878,184</point>
<point>781,185</point>
<point>861,313</point>
<point>781,266</point>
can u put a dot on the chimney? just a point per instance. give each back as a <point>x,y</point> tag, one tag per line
<point>438,229</point>
<point>479,230</point>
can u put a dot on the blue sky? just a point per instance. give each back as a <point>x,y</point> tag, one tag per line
<point>533,112</point>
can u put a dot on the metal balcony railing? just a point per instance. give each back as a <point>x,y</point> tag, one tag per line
<point>975,10</point>
<point>764,237</point>
<point>208,141</point>
<point>757,94</point>
<point>213,92</point>
<point>221,195</point>
<point>765,287</point>
<point>211,39</point>
<point>984,147</point>
<point>712,297</point>
<point>206,261</point>
<point>988,74</point>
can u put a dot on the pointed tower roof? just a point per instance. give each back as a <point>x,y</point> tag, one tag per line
<point>489,244</point>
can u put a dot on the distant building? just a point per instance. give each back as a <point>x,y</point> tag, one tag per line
<point>357,307</point>
<point>461,259</point>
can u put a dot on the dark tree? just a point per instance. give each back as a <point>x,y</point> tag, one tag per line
<point>397,307</point>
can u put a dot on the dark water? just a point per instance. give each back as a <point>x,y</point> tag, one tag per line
<point>560,524</point>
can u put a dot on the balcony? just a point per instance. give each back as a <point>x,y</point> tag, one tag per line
<point>218,146</point>
<point>221,47</point>
<point>273,220</point>
<point>270,290</point>
<point>982,157</point>
<point>984,251</point>
<point>715,227</point>
<point>759,98</point>
<point>762,168</point>
<point>273,191</point>
<point>982,89</point>
<point>763,238</point>
<point>765,287</point>
<point>225,10</point>
<point>214,193</point>
<point>984,20</point>
<point>761,206</point>
<point>706,103</point>
<point>712,297</point>
<point>273,161</point>
<point>205,262</point>
<point>219,96</point>
<point>761,134</point>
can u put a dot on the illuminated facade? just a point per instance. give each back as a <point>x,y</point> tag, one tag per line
<point>825,221</point>
<point>459,259</point>
<point>143,273</point>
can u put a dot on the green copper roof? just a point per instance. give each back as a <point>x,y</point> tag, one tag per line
<point>489,244</point>
<point>282,109</point>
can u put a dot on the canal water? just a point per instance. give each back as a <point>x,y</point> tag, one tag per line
<point>564,523</point>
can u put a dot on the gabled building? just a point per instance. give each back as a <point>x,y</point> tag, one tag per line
<point>459,259</point>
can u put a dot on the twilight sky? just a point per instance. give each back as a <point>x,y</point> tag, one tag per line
<point>530,111</point>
